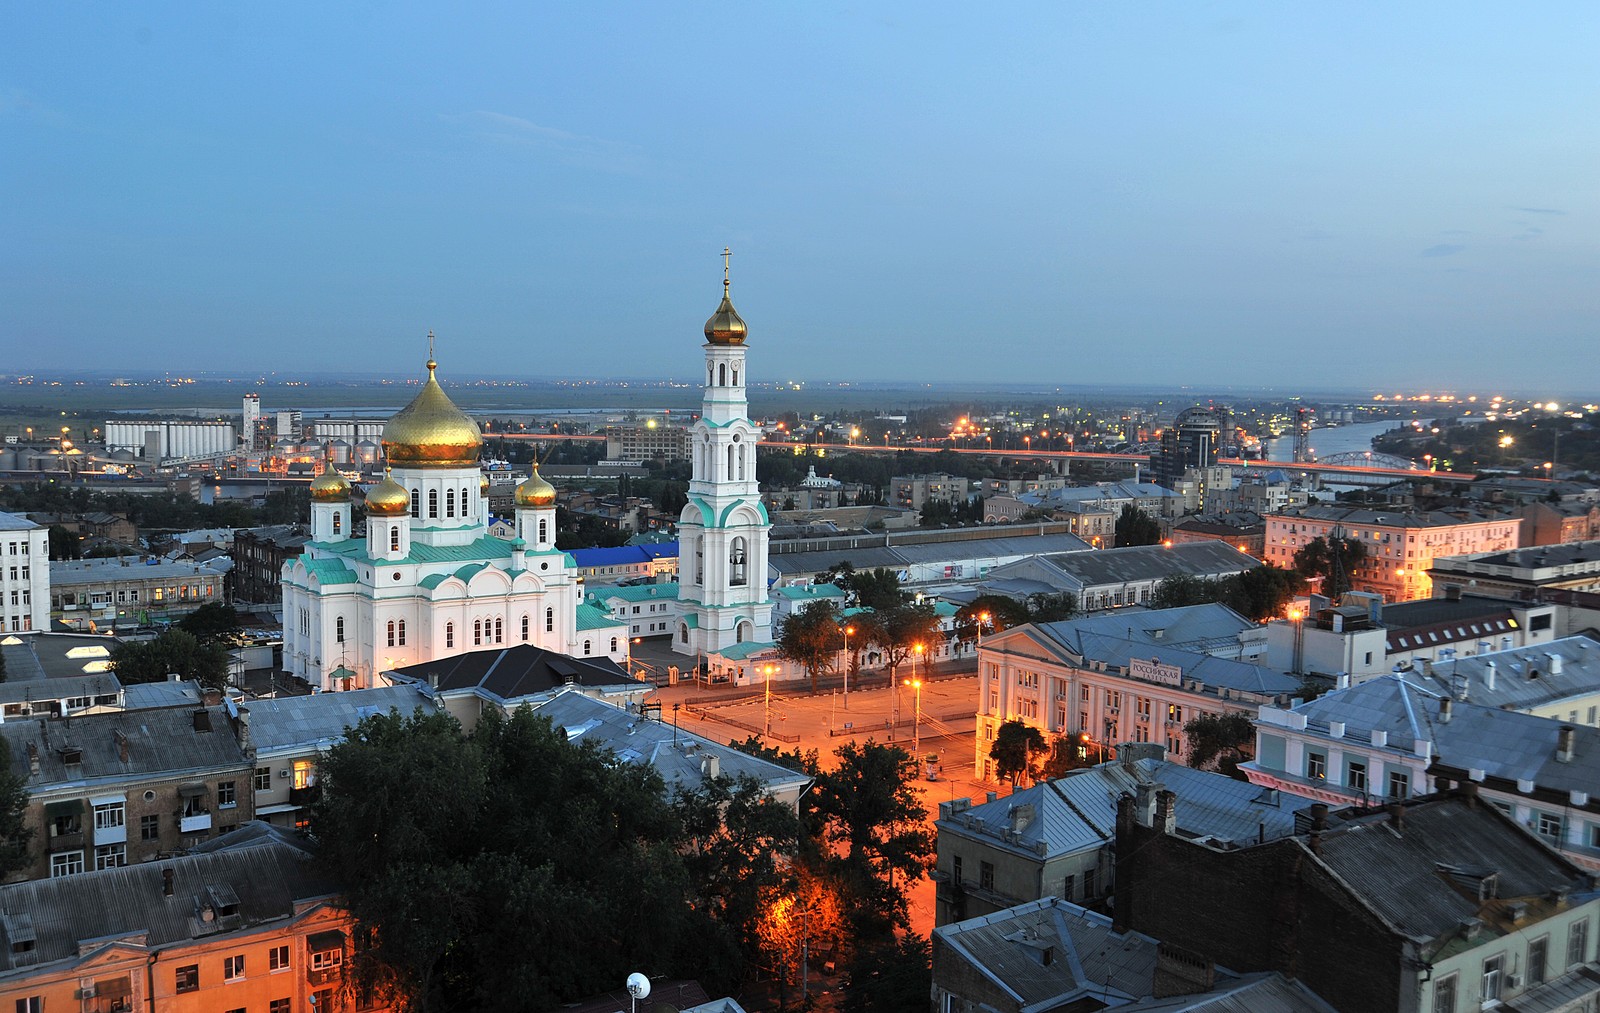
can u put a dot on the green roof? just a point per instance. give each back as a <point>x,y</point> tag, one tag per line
<point>639,592</point>
<point>330,571</point>
<point>692,621</point>
<point>944,608</point>
<point>739,652</point>
<point>810,592</point>
<point>479,549</point>
<point>591,618</point>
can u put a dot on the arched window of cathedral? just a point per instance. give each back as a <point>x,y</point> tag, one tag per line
<point>736,376</point>
<point>613,645</point>
<point>449,636</point>
<point>524,629</point>
<point>741,632</point>
<point>338,630</point>
<point>464,502</point>
<point>394,539</point>
<point>736,563</point>
<point>741,462</point>
<point>588,648</point>
<point>710,375</point>
<point>544,531</point>
<point>722,374</point>
<point>416,503</point>
<point>683,632</point>
<point>730,460</point>
<point>391,633</point>
<point>400,633</point>
<point>549,620</point>
<point>499,630</point>
<point>449,502</point>
<point>337,518</point>
<point>433,502</point>
<point>477,633</point>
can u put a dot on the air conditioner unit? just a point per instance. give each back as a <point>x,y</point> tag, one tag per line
<point>283,772</point>
<point>1513,981</point>
<point>87,992</point>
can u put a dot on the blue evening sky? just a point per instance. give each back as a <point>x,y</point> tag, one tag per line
<point>1395,195</point>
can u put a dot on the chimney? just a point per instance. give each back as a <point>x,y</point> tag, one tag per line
<point>1145,804</point>
<point>121,740</point>
<point>1427,667</point>
<point>710,766</point>
<point>1021,816</point>
<point>211,697</point>
<point>1564,743</point>
<point>1446,706</point>
<point>241,729</point>
<point>1555,663</point>
<point>1166,812</point>
<point>1468,790</point>
<point>1342,681</point>
<point>1488,676</point>
<point>1397,815</point>
<point>202,720</point>
<point>33,758</point>
<point>166,882</point>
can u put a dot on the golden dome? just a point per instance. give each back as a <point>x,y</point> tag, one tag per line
<point>330,486</point>
<point>431,432</point>
<point>483,483</point>
<point>726,326</point>
<point>535,491</point>
<point>388,499</point>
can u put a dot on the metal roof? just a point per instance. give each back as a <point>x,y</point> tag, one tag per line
<point>1524,677</point>
<point>321,719</point>
<point>1202,628</point>
<point>518,673</point>
<point>897,555</point>
<point>1137,563</point>
<point>1257,993</point>
<point>159,742</point>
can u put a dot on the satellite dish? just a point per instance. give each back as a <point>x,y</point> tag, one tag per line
<point>638,985</point>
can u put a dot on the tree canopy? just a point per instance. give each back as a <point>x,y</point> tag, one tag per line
<point>1135,527</point>
<point>1017,749</point>
<point>1331,558</point>
<point>811,637</point>
<point>1258,593</point>
<point>898,630</point>
<point>1220,742</point>
<point>175,651</point>
<point>15,833</point>
<point>877,589</point>
<point>989,613</point>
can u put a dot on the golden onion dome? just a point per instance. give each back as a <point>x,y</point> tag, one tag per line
<point>330,486</point>
<point>483,483</point>
<point>726,326</point>
<point>388,499</point>
<point>431,432</point>
<point>535,491</point>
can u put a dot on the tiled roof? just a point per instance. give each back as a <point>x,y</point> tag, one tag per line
<point>515,673</point>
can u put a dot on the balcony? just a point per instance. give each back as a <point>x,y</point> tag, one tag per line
<point>68,842</point>
<point>305,796</point>
<point>199,823</point>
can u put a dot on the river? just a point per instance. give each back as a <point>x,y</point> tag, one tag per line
<point>1356,437</point>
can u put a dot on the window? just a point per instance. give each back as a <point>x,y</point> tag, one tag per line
<point>227,795</point>
<point>326,960</point>
<point>278,1006</point>
<point>1549,826</point>
<point>1316,766</point>
<point>543,531</point>
<point>187,978</point>
<point>449,502</point>
<point>550,622</point>
<point>1493,976</point>
<point>499,630</point>
<point>337,523</point>
<point>955,870</point>
<point>261,780</point>
<point>108,817</point>
<point>1356,777</point>
<point>1088,882</point>
<point>400,633</point>
<point>31,1004</point>
<point>66,863</point>
<point>394,539</point>
<point>233,967</point>
<point>338,630</point>
<point>303,775</point>
<point>110,856</point>
<point>525,627</point>
<point>150,827</point>
<point>1538,959</point>
<point>1444,995</point>
<point>390,631</point>
<point>278,958</point>
<point>1578,942</point>
<point>1067,886</point>
<point>1399,784</point>
<point>433,502</point>
<point>588,648</point>
<point>986,875</point>
<point>613,645</point>
<point>477,632</point>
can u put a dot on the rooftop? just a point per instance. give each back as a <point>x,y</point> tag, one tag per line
<point>15,522</point>
<point>1138,563</point>
<point>519,673</point>
<point>73,572</point>
<point>320,720</point>
<point>1201,628</point>
<point>165,742</point>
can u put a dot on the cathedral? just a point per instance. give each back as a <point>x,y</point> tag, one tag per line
<point>428,580</point>
<point>723,531</point>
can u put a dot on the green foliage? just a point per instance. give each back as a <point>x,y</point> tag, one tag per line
<point>212,623</point>
<point>64,544</point>
<point>15,834</point>
<point>1332,558</point>
<point>889,977</point>
<point>1063,758</point>
<point>1051,608</point>
<point>873,823</point>
<point>1016,749</point>
<point>897,631</point>
<point>1135,527</point>
<point>1258,593</point>
<point>175,651</point>
<point>811,637</point>
<point>943,513</point>
<point>511,869</point>
<point>1001,611</point>
<point>1220,742</point>
<point>876,589</point>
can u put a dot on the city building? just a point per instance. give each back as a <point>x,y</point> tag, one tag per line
<point>24,575</point>
<point>1192,441</point>
<point>654,562</point>
<point>159,441</point>
<point>1104,689</point>
<point>250,423</point>
<point>106,790</point>
<point>1381,740</point>
<point>649,610</point>
<point>1245,531</point>
<point>428,581</point>
<point>1113,578</point>
<point>246,923</point>
<point>922,556</point>
<point>1053,956</point>
<point>129,590</point>
<point>1560,523</point>
<point>791,598</point>
<point>1433,905</point>
<point>466,685</point>
<point>912,492</point>
<point>1401,545</point>
<point>647,442</point>
<point>724,530</point>
<point>1055,838</point>
<point>1527,574</point>
<point>259,555</point>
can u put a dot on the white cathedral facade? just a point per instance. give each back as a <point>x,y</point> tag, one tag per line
<point>723,531</point>
<point>428,580</point>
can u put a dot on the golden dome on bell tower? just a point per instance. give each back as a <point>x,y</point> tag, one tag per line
<point>726,326</point>
<point>535,491</point>
<point>388,499</point>
<point>330,486</point>
<point>431,432</point>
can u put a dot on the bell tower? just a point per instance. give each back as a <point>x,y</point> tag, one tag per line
<point>724,529</point>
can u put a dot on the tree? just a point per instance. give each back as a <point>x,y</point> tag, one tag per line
<point>804,911</point>
<point>1331,558</point>
<point>1064,756</point>
<point>992,612</point>
<point>173,652</point>
<point>811,637</point>
<point>64,544</point>
<point>1183,589</point>
<point>898,631</point>
<point>897,975</point>
<point>1135,527</point>
<point>15,834</point>
<point>1051,608</point>
<point>876,589</point>
<point>1266,591</point>
<point>873,822</point>
<point>1016,749</point>
<point>212,623</point>
<point>1220,741</point>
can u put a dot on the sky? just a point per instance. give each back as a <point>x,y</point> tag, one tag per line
<point>1400,196</point>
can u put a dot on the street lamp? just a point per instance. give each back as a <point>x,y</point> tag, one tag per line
<point>847,630</point>
<point>983,619</point>
<point>916,728</point>
<point>768,670</point>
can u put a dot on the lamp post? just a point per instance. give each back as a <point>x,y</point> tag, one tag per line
<point>767,670</point>
<point>916,728</point>
<point>983,619</point>
<point>847,630</point>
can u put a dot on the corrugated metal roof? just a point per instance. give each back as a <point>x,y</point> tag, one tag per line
<point>1200,628</point>
<point>290,722</point>
<point>1257,993</point>
<point>161,742</point>
<point>1140,563</point>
